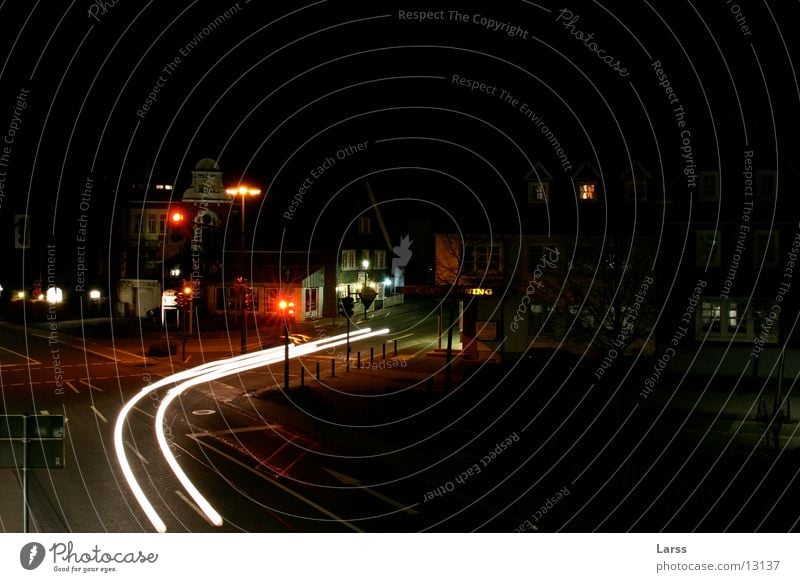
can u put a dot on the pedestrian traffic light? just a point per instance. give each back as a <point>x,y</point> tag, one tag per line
<point>347,305</point>
<point>181,300</point>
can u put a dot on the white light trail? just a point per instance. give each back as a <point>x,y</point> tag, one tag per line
<point>192,377</point>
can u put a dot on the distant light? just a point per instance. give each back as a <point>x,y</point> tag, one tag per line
<point>365,264</point>
<point>20,294</point>
<point>387,281</point>
<point>94,294</point>
<point>177,217</point>
<point>175,272</point>
<point>54,295</point>
<point>41,296</point>
<point>283,304</point>
<point>187,290</point>
<point>159,186</point>
<point>168,187</point>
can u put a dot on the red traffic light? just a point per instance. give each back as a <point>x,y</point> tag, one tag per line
<point>176,217</point>
<point>283,304</point>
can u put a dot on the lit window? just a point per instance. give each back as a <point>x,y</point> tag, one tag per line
<point>348,260</point>
<point>709,186</point>
<point>587,190</point>
<point>159,186</point>
<point>151,223</point>
<point>710,317</point>
<point>538,192</point>
<point>364,225</point>
<point>483,258</point>
<point>167,186</point>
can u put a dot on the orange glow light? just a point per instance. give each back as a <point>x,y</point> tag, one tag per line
<point>177,216</point>
<point>282,304</point>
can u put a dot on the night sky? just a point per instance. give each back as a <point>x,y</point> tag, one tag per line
<point>119,91</point>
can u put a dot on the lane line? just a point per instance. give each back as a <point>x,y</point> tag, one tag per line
<point>72,387</point>
<point>99,414</point>
<point>35,362</point>
<point>90,386</point>
<point>137,453</point>
<point>194,506</point>
<point>281,486</point>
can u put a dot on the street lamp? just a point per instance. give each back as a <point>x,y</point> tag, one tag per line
<point>365,265</point>
<point>287,311</point>
<point>244,192</point>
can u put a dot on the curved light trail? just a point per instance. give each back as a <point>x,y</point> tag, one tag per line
<point>192,377</point>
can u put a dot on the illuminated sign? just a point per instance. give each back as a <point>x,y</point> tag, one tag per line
<point>479,291</point>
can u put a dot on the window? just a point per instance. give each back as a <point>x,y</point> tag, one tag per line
<point>708,248</point>
<point>709,186</point>
<point>380,259</point>
<point>159,186</point>
<point>541,321</point>
<point>311,301</point>
<point>162,223</point>
<point>151,223</point>
<point>136,223</point>
<point>535,253</point>
<point>766,185</point>
<point>765,247</point>
<point>271,299</point>
<point>726,318</point>
<point>538,192</point>
<point>481,258</point>
<point>587,190</point>
<point>710,316</point>
<point>364,225</point>
<point>348,260</point>
<point>636,190</point>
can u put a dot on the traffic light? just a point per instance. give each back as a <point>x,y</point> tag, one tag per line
<point>286,309</point>
<point>181,300</point>
<point>176,217</point>
<point>347,305</point>
<point>248,298</point>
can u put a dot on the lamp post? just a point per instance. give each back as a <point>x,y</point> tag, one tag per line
<point>365,265</point>
<point>243,192</point>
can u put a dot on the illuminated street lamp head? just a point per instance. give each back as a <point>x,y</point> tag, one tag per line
<point>242,191</point>
<point>365,264</point>
<point>187,290</point>
<point>283,304</point>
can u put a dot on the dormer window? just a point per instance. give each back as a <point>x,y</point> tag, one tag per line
<point>538,192</point>
<point>636,189</point>
<point>587,190</point>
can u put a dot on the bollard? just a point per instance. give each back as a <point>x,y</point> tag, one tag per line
<point>302,376</point>
<point>395,347</point>
<point>384,350</point>
<point>333,368</point>
<point>358,359</point>
<point>317,371</point>
<point>371,355</point>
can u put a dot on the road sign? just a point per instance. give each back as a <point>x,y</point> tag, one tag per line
<point>367,296</point>
<point>45,436</point>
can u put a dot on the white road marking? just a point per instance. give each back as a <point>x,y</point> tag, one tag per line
<point>90,386</point>
<point>194,506</point>
<point>72,387</point>
<point>137,453</point>
<point>35,362</point>
<point>352,481</point>
<point>281,486</point>
<point>99,414</point>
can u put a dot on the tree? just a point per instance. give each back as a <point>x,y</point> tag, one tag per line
<point>608,300</point>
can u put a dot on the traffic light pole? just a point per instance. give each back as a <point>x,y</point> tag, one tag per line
<point>285,353</point>
<point>348,341</point>
<point>241,289</point>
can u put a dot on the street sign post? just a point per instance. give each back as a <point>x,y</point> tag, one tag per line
<point>31,442</point>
